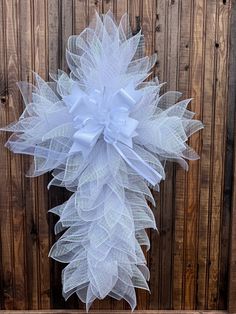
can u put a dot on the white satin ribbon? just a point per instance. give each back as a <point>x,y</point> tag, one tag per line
<point>97,115</point>
<point>138,164</point>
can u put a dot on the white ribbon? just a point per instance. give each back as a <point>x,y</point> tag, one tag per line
<point>100,114</point>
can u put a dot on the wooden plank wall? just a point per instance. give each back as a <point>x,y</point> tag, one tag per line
<point>190,255</point>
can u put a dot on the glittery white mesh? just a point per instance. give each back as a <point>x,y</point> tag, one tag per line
<point>106,217</point>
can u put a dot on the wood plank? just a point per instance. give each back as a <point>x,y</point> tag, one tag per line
<point>121,8</point>
<point>53,16</point>
<point>161,38</point>
<point>232,157</point>
<point>147,19</point>
<point>220,110</point>
<point>108,5</point>
<point>16,212</point>
<point>80,16</point>
<point>223,36</point>
<point>192,189</point>
<point>55,194</point>
<point>134,7</point>
<point>208,95</point>
<point>228,186</point>
<point>3,160</point>
<point>41,195</point>
<point>66,29</point>
<point>5,212</point>
<point>167,211</point>
<point>93,6</point>
<point>29,186</point>
<point>180,175</point>
<point>69,20</point>
<point>160,47</point>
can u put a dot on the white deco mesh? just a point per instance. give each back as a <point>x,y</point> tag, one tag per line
<point>111,171</point>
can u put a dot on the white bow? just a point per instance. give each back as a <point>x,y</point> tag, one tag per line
<point>107,115</point>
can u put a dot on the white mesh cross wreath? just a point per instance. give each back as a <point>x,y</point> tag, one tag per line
<point>105,132</point>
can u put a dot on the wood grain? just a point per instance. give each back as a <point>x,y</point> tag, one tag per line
<point>207,144</point>
<point>40,29</point>
<point>192,188</point>
<point>180,188</point>
<point>218,152</point>
<point>6,226</point>
<point>16,208</point>
<point>194,251</point>
<point>231,158</point>
<point>26,65</point>
<point>160,44</point>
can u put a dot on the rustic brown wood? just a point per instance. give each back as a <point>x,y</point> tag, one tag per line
<point>227,193</point>
<point>230,183</point>
<point>180,188</point>
<point>205,167</point>
<point>145,19</point>
<point>160,43</point>
<point>218,149</point>
<point>189,258</point>
<point>16,208</point>
<point>56,196</point>
<point>29,188</point>
<point>40,30</point>
<point>192,188</point>
<point>3,161</point>
<point>6,239</point>
<point>171,64</point>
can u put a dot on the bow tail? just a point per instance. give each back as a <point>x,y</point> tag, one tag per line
<point>138,164</point>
